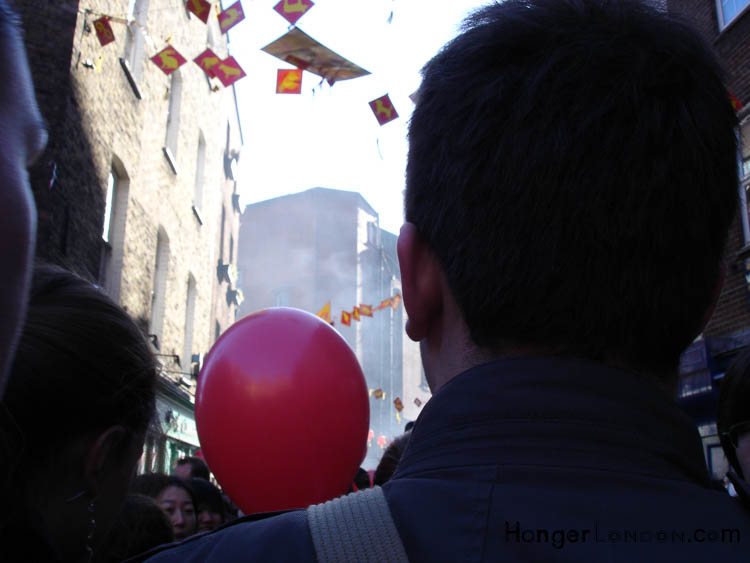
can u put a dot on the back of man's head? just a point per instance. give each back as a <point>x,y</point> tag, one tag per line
<point>190,467</point>
<point>572,165</point>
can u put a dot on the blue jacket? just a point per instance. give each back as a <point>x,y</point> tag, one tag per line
<point>535,460</point>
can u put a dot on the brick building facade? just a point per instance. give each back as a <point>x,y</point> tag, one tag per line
<point>136,190</point>
<point>726,25</point>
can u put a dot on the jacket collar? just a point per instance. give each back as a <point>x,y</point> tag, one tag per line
<point>554,412</point>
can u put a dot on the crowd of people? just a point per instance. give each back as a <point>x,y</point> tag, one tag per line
<point>571,180</point>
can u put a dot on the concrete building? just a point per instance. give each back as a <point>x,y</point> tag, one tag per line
<point>319,246</point>
<point>136,190</point>
<point>726,25</point>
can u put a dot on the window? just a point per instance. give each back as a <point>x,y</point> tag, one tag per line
<point>231,249</point>
<point>373,234</point>
<point>113,230</point>
<point>111,182</point>
<point>159,293</point>
<point>187,353</point>
<point>132,59</point>
<point>200,165</point>
<point>728,10</point>
<point>173,119</point>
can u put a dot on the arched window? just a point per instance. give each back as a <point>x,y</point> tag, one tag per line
<point>200,165</point>
<point>173,119</point>
<point>132,59</point>
<point>113,228</point>
<point>187,352</point>
<point>159,294</point>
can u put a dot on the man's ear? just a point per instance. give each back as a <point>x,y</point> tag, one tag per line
<point>105,451</point>
<point>421,282</point>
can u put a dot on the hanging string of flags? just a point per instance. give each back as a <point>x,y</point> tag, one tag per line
<point>227,70</point>
<point>307,54</point>
<point>295,47</point>
<point>358,312</point>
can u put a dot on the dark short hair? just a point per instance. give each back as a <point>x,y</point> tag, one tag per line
<point>391,456</point>
<point>734,404</point>
<point>572,165</point>
<point>206,494</point>
<point>81,366</point>
<point>141,525</point>
<point>152,485</point>
<point>198,467</point>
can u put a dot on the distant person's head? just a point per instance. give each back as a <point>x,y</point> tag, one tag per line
<point>571,179</point>
<point>23,139</point>
<point>209,506</point>
<point>733,420</point>
<point>361,479</point>
<point>140,525</point>
<point>189,467</point>
<point>175,496</point>
<point>79,399</point>
<point>391,457</point>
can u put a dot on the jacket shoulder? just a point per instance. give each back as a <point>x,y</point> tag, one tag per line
<point>285,537</point>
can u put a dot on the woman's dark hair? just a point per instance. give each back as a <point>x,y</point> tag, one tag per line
<point>734,404</point>
<point>390,459</point>
<point>140,526</point>
<point>207,494</point>
<point>81,366</point>
<point>152,484</point>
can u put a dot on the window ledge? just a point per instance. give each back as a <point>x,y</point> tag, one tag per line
<point>197,214</point>
<point>743,253</point>
<point>170,159</point>
<point>731,24</point>
<point>131,79</point>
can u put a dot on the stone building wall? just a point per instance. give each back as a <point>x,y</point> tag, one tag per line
<point>98,123</point>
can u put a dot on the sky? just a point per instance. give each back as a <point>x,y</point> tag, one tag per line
<point>328,136</point>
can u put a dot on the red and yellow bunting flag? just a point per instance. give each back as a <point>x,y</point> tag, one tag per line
<point>370,436</point>
<point>289,81</point>
<point>395,301</point>
<point>418,401</point>
<point>104,31</point>
<point>381,441</point>
<point>168,60</point>
<point>398,404</point>
<point>355,314</point>
<point>383,109</point>
<point>207,60</point>
<point>292,10</point>
<point>231,17</point>
<point>346,318</point>
<point>201,8</point>
<point>736,104</point>
<point>228,71</point>
<point>365,310</point>
<point>325,313</point>
<point>384,303</point>
<point>379,394</point>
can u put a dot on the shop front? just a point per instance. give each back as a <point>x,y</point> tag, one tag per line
<point>173,434</point>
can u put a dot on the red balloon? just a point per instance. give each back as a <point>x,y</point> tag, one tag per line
<point>282,411</point>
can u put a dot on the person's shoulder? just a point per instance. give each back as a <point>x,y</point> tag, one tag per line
<point>281,537</point>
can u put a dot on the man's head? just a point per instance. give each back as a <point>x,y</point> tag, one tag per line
<point>189,467</point>
<point>572,170</point>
